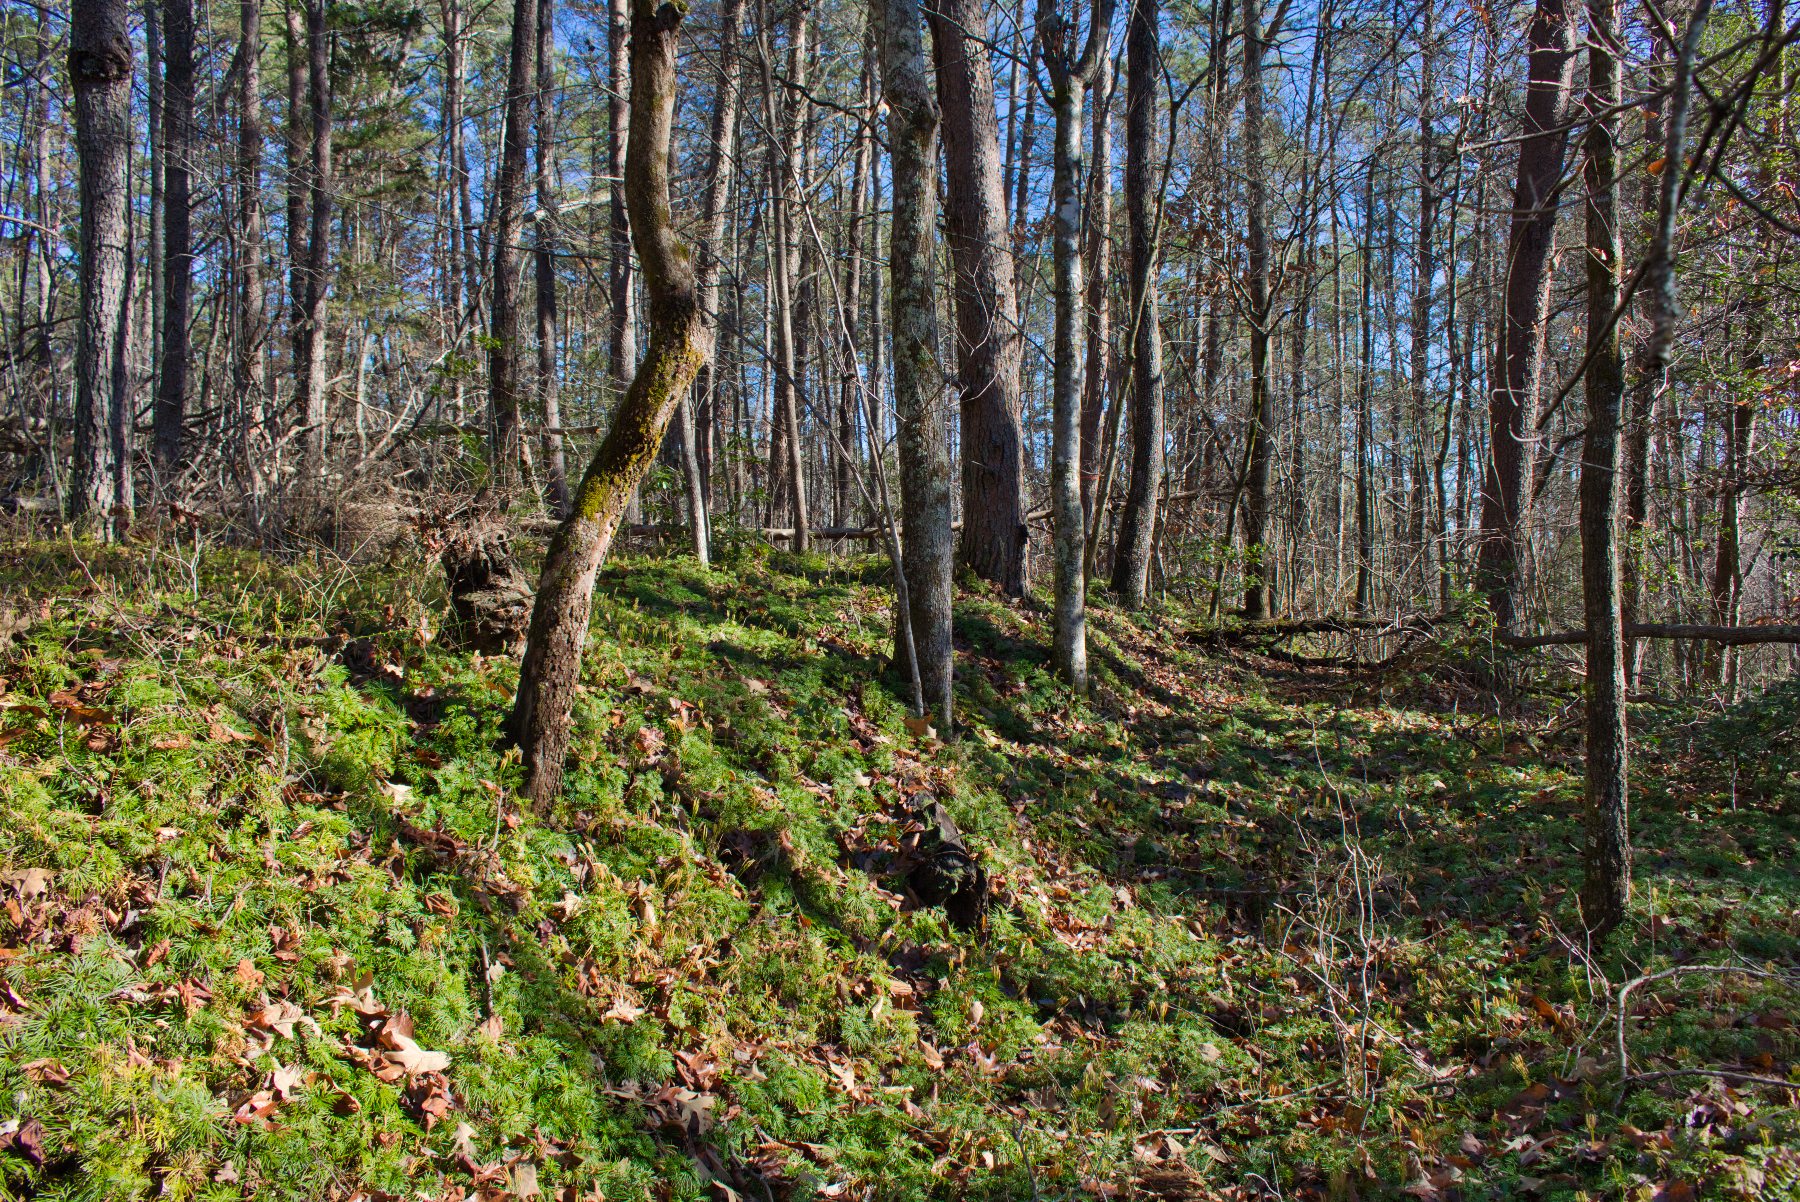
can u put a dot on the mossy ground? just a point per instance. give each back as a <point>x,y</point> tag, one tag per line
<point>1252,934</point>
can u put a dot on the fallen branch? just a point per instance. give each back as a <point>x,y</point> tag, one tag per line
<point>1282,628</point>
<point>1731,636</point>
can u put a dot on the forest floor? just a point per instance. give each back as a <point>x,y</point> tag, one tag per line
<point>276,925</point>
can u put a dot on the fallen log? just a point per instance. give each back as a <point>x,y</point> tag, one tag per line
<point>1282,628</point>
<point>1730,636</point>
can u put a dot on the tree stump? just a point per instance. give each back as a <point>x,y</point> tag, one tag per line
<point>490,598</point>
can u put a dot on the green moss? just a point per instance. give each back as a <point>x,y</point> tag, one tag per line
<point>1181,940</point>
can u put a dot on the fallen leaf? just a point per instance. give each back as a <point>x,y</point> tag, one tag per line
<point>31,883</point>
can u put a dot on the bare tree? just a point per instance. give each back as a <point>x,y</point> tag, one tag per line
<point>1606,859</point>
<point>1512,401</point>
<point>178,252</point>
<point>310,346</point>
<point>544,260</point>
<point>1137,525</point>
<point>248,372</point>
<point>988,345</point>
<point>1071,72</point>
<point>100,67</point>
<point>918,380</point>
<point>509,201</point>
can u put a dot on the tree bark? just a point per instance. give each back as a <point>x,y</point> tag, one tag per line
<point>1259,558</point>
<point>312,365</point>
<point>1658,285</point>
<point>1070,74</point>
<point>787,456</point>
<point>1606,860</point>
<point>248,373</point>
<point>1099,291</point>
<point>1512,401</point>
<point>679,344</point>
<point>988,343</point>
<point>719,178</point>
<point>1137,525</point>
<point>544,256</point>
<point>619,267</point>
<point>509,202</point>
<point>178,256</point>
<point>100,67</point>
<point>918,380</point>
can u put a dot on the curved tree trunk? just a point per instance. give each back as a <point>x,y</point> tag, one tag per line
<point>679,345</point>
<point>927,556</point>
<point>100,67</point>
<point>1137,526</point>
<point>988,345</point>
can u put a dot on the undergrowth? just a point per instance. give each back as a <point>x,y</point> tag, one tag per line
<point>276,924</point>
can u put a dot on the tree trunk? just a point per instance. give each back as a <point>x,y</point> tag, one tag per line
<point>100,68</point>
<point>679,344</point>
<point>619,268</point>
<point>1365,409</point>
<point>1069,78</point>
<point>509,203</point>
<point>1137,525</point>
<point>312,367</point>
<point>988,344</point>
<point>1099,290</point>
<point>787,455</point>
<point>850,380</point>
<point>1606,860</point>
<point>918,379</point>
<point>1664,307</point>
<point>544,248</point>
<point>1259,558</point>
<point>296,136</point>
<point>1512,401</point>
<point>178,256</point>
<point>1419,336</point>
<point>248,374</point>
<point>712,250</point>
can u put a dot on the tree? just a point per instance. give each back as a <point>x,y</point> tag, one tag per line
<point>679,344</point>
<point>1512,401</point>
<point>988,345</point>
<point>1137,525</point>
<point>1259,566</point>
<point>248,373</point>
<point>918,380</point>
<point>509,201</point>
<point>315,273</point>
<point>100,67</point>
<point>719,176</point>
<point>1606,884</point>
<point>1070,74</point>
<point>177,253</point>
<point>544,260</point>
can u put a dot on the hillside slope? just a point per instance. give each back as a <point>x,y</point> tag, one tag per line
<point>275,925</point>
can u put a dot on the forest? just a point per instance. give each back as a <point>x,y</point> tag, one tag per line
<point>920,599</point>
